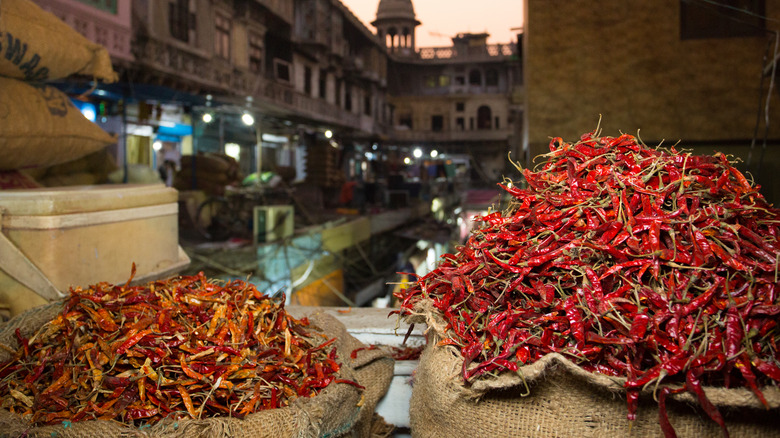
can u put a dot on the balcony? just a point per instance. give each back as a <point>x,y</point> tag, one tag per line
<point>451,136</point>
<point>489,52</point>
<point>281,8</point>
<point>181,60</point>
<point>285,98</point>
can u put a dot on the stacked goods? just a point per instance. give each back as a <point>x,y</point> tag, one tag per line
<point>39,126</point>
<point>88,170</point>
<point>182,356</point>
<point>322,166</point>
<point>210,173</point>
<point>620,269</point>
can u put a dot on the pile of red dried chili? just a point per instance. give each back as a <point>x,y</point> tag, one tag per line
<point>649,264</point>
<point>180,348</point>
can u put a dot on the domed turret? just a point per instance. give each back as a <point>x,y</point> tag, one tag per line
<point>390,9</point>
<point>395,23</point>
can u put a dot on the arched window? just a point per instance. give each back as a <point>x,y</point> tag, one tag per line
<point>406,38</point>
<point>475,77</point>
<point>483,117</point>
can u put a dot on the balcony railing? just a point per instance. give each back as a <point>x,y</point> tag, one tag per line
<point>194,65</point>
<point>451,136</point>
<point>475,53</point>
<point>314,108</point>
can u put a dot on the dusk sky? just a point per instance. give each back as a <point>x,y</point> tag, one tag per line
<point>443,19</point>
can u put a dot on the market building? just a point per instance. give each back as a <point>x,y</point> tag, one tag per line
<point>297,68</point>
<point>457,102</point>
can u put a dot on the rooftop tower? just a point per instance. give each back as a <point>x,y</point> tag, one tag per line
<point>395,23</point>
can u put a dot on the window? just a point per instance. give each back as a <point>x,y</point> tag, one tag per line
<point>459,106</point>
<point>255,53</point>
<point>721,19</point>
<point>437,81</point>
<point>496,120</point>
<point>307,80</point>
<point>222,36</point>
<point>323,84</point>
<point>460,80</point>
<point>459,122</point>
<point>405,120</point>
<point>338,92</point>
<point>367,105</point>
<point>475,77</point>
<point>491,78</point>
<point>348,98</point>
<point>483,117</point>
<point>437,123</point>
<point>282,70</point>
<point>180,19</point>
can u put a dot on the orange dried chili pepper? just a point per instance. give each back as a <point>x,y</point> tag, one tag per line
<point>185,396</point>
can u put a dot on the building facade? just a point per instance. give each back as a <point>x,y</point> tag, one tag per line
<point>307,66</point>
<point>191,69</point>
<point>460,101</point>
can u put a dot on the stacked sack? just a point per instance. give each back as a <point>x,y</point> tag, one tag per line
<point>210,173</point>
<point>39,125</point>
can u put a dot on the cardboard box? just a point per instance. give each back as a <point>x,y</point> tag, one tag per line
<point>57,238</point>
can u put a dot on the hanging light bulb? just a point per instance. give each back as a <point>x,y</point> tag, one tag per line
<point>207,118</point>
<point>248,119</point>
<point>233,150</point>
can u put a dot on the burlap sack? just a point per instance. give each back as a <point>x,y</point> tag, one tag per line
<point>339,411</point>
<point>555,398</point>
<point>39,126</point>
<point>37,46</point>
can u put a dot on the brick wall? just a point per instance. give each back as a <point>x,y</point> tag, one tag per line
<point>624,60</point>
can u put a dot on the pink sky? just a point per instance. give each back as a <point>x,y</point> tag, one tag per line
<point>443,19</point>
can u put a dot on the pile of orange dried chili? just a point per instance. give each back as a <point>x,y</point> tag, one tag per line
<point>185,347</point>
<point>649,264</point>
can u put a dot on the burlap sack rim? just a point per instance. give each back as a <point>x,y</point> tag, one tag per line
<point>555,363</point>
<point>306,425</point>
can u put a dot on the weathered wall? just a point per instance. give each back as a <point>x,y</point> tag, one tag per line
<point>624,60</point>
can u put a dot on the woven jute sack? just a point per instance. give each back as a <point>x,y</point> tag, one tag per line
<point>40,126</point>
<point>555,398</point>
<point>339,411</point>
<point>37,46</point>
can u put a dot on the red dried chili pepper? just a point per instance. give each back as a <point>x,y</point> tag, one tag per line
<point>654,262</point>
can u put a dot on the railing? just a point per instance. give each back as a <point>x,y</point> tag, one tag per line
<point>193,65</point>
<point>451,135</point>
<point>314,108</point>
<point>467,53</point>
